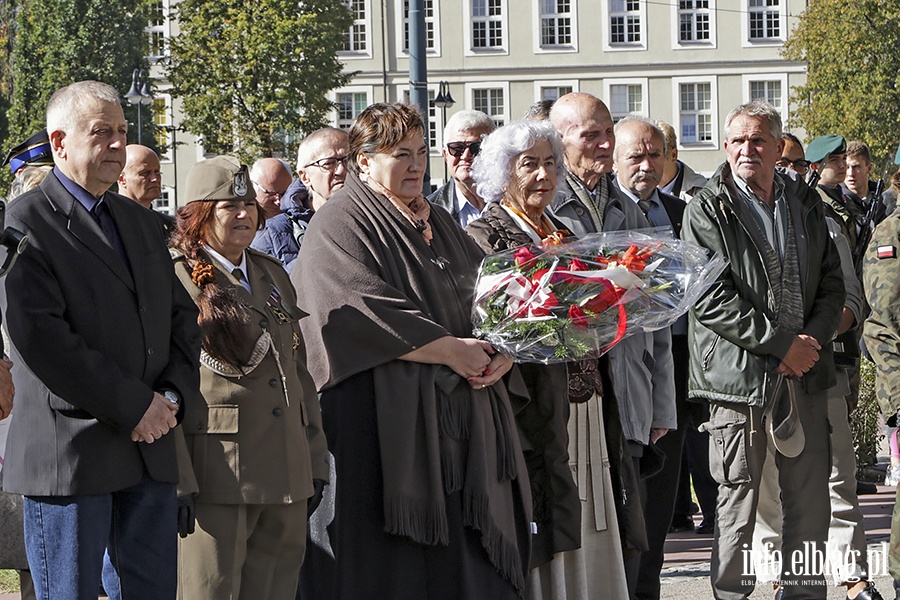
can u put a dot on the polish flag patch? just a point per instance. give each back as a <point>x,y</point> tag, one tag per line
<point>887,252</point>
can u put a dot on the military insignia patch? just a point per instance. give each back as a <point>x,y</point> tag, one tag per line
<point>240,183</point>
<point>887,252</point>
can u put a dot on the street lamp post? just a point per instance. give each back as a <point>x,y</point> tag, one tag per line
<point>139,94</point>
<point>444,101</point>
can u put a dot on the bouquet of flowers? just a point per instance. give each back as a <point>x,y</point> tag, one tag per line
<point>579,299</point>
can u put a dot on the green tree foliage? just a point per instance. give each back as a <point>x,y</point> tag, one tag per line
<point>58,42</point>
<point>252,74</point>
<point>851,48</point>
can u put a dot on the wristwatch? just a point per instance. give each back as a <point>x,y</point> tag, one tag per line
<point>172,397</point>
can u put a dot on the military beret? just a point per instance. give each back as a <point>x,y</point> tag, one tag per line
<point>824,145</point>
<point>219,178</point>
<point>33,151</point>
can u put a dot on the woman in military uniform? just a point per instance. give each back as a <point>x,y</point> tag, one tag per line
<point>254,443</point>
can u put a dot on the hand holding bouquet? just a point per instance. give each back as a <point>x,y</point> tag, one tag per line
<point>578,299</point>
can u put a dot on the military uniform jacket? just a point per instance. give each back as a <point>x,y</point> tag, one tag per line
<point>92,339</point>
<point>257,438</point>
<point>881,282</point>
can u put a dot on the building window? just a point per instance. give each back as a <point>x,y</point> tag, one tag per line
<point>430,20</point>
<point>554,92</point>
<point>158,31</point>
<point>556,23</point>
<point>768,91</point>
<point>356,38</point>
<point>625,22</point>
<point>487,24</point>
<point>349,105</point>
<point>765,19</point>
<point>163,204</point>
<point>624,100</point>
<point>433,143</point>
<point>696,113</point>
<point>491,100</point>
<point>162,119</point>
<point>693,21</point>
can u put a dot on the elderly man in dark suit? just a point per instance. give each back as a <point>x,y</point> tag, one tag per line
<point>105,345</point>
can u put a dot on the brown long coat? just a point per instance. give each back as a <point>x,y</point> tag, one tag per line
<point>248,443</point>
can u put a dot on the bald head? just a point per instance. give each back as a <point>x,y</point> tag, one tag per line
<point>321,176</point>
<point>141,179</point>
<point>586,128</point>
<point>271,178</point>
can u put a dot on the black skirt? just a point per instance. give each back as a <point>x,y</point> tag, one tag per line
<point>369,563</point>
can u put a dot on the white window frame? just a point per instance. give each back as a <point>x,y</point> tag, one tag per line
<point>782,78</point>
<point>164,30</point>
<point>606,19</point>
<point>368,90</point>
<point>167,193</point>
<point>367,22</point>
<point>434,116</point>
<point>748,42</point>
<point>540,85</point>
<point>572,46</point>
<point>484,85</point>
<point>677,44</point>
<point>714,110</point>
<point>468,20</point>
<point>401,18</point>
<point>645,96</point>
<point>169,121</point>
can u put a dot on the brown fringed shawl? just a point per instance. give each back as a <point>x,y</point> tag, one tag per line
<point>375,290</point>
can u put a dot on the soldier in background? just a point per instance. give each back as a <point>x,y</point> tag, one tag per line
<point>881,283</point>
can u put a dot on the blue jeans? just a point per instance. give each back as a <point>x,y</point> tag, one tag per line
<point>67,537</point>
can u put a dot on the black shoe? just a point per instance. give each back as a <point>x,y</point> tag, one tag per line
<point>868,593</point>
<point>681,524</point>
<point>705,528</point>
<point>865,488</point>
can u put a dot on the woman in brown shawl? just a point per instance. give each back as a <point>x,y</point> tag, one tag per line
<point>516,173</point>
<point>430,485</point>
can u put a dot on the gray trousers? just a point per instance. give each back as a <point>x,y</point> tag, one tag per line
<point>737,453</point>
<point>847,551</point>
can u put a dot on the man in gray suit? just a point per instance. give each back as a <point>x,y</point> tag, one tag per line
<point>105,345</point>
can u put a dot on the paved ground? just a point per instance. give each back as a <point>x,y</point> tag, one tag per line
<point>685,574</point>
<point>686,570</point>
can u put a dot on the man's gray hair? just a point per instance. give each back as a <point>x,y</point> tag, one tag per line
<point>759,109</point>
<point>63,109</point>
<point>468,120</point>
<point>493,168</point>
<point>639,119</point>
<point>314,140</point>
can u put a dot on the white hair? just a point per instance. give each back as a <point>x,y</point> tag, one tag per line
<point>63,109</point>
<point>758,109</point>
<point>468,120</point>
<point>639,119</point>
<point>492,168</point>
<point>314,141</point>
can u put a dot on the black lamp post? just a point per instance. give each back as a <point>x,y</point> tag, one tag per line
<point>139,94</point>
<point>443,101</point>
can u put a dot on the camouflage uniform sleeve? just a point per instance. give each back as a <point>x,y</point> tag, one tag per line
<point>881,282</point>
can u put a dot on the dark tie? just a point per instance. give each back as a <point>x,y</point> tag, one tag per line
<point>102,216</point>
<point>645,206</point>
<point>239,275</point>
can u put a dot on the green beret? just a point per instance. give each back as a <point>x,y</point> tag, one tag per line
<point>824,145</point>
<point>219,178</point>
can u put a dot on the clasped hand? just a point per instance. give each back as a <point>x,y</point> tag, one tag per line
<point>479,362</point>
<point>157,421</point>
<point>800,357</point>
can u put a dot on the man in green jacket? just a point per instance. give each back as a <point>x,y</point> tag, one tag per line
<point>761,358</point>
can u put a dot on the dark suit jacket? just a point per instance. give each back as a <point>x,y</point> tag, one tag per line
<point>91,342</point>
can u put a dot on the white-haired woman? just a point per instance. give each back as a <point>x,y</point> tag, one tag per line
<point>516,173</point>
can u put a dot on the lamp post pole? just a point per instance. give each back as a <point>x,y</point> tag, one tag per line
<point>444,101</point>
<point>139,94</point>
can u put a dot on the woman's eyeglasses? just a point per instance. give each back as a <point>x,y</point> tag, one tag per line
<point>328,164</point>
<point>457,149</point>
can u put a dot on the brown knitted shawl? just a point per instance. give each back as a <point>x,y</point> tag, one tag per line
<point>374,291</point>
